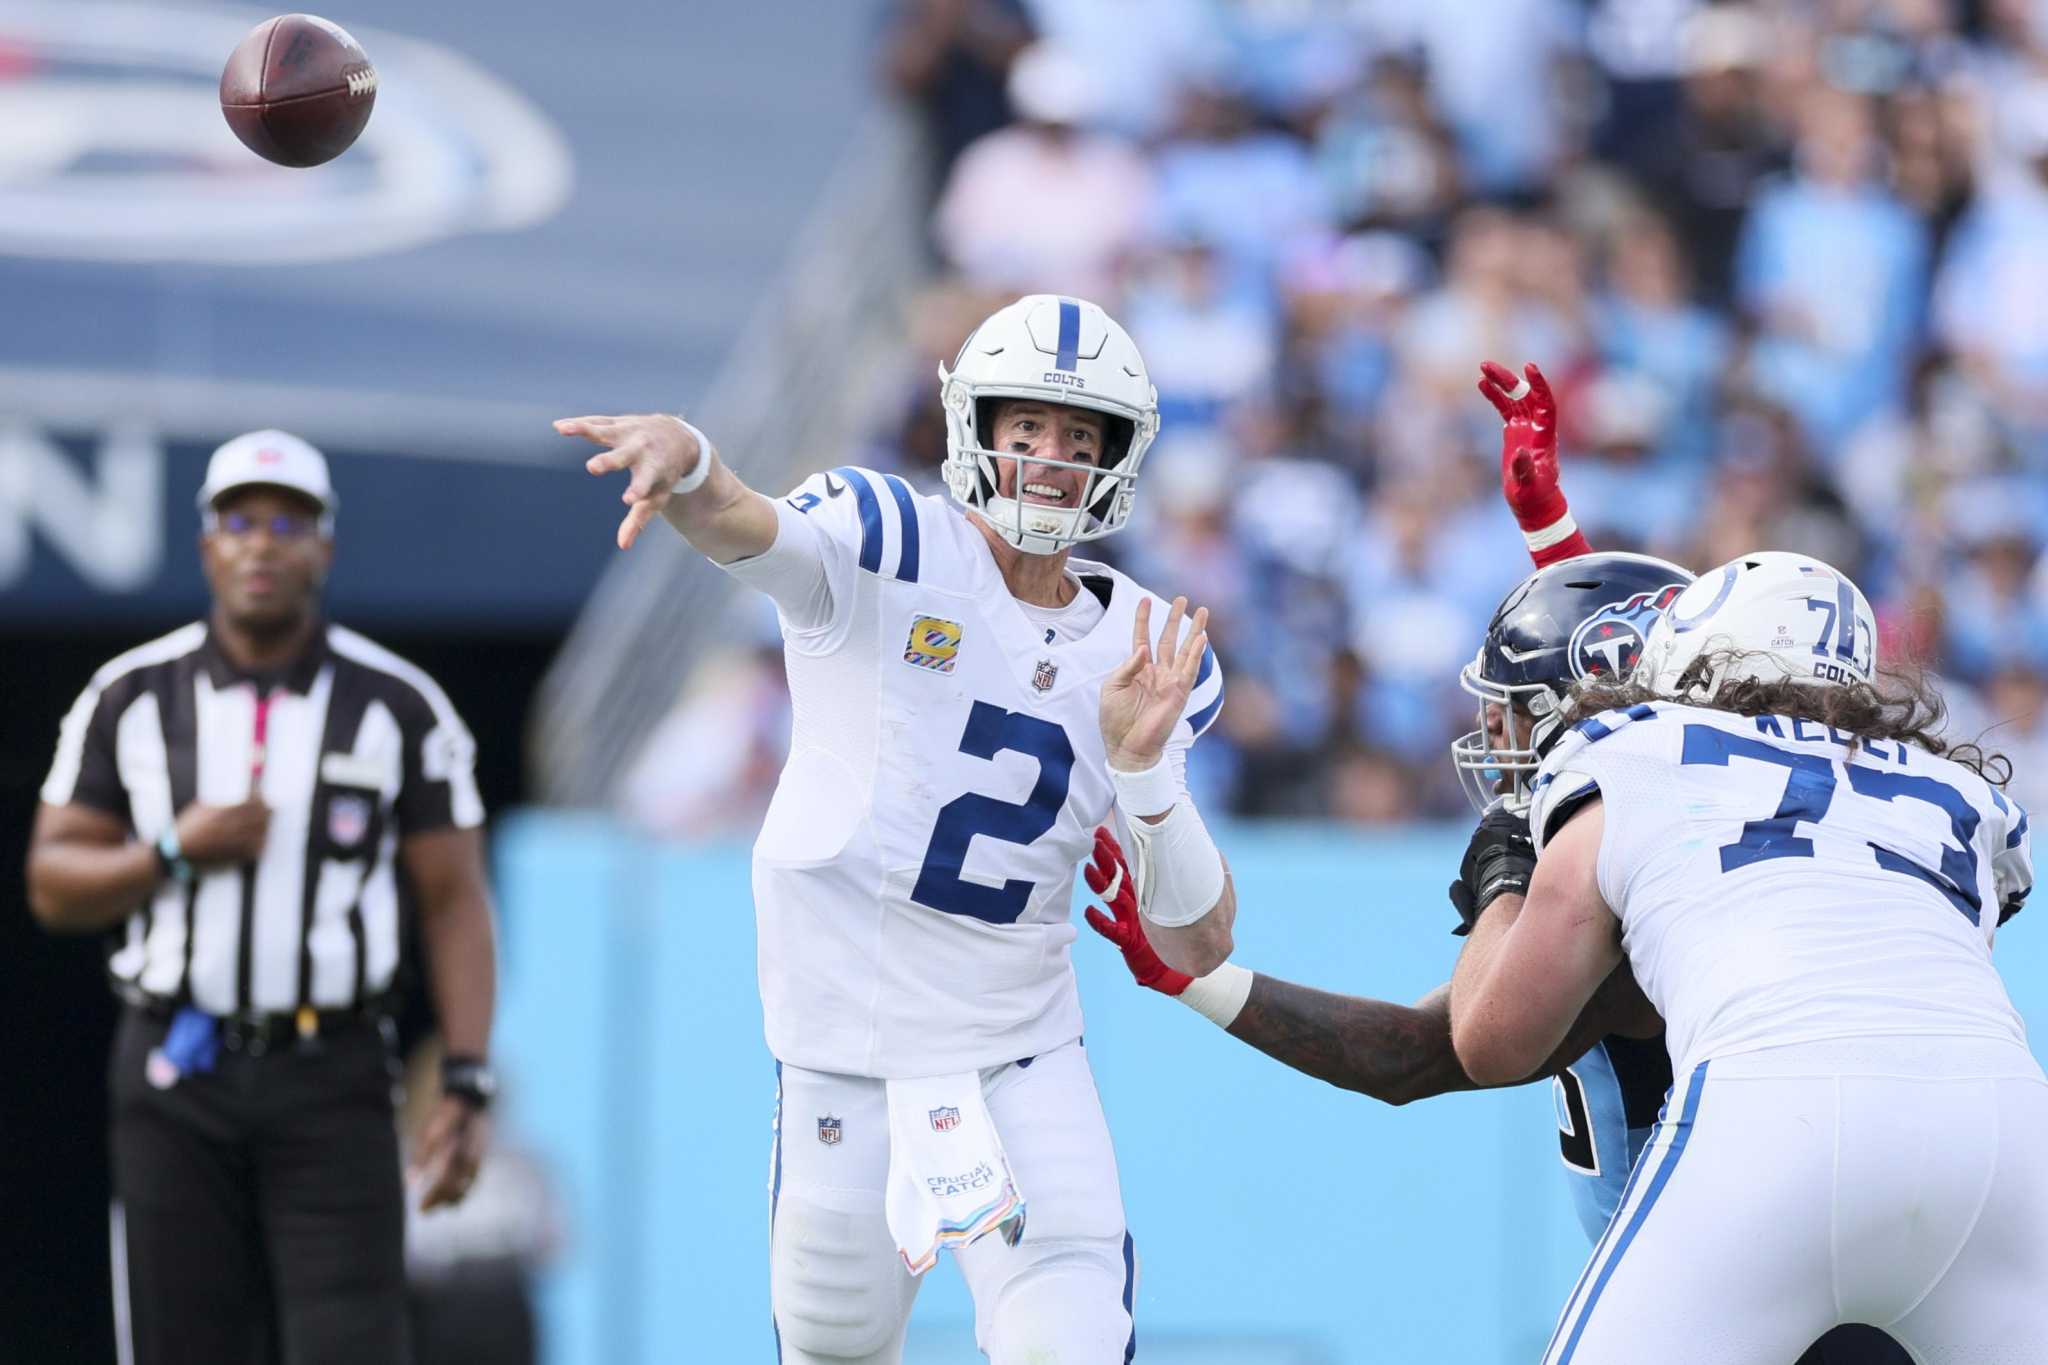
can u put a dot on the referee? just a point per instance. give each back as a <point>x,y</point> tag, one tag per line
<point>238,803</point>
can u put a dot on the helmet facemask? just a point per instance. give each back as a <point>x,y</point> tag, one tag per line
<point>1067,354</point>
<point>1490,770</point>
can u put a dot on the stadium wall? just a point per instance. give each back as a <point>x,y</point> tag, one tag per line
<point>1278,1221</point>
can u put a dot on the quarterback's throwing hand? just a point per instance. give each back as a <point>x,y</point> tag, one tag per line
<point>1109,876</point>
<point>655,448</point>
<point>1145,696</point>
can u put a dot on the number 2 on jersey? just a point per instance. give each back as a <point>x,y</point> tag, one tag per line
<point>1810,790</point>
<point>990,730</point>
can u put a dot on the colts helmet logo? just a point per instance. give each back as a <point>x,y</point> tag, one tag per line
<point>1608,643</point>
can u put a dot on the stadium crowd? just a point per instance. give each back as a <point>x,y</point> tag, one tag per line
<point>1782,260</point>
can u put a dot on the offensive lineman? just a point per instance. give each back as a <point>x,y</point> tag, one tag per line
<point>970,702</point>
<point>1807,890</point>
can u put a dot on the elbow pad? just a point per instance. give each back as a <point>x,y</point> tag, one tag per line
<point>1176,865</point>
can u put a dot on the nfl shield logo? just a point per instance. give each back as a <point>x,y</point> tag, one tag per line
<point>828,1131</point>
<point>945,1119</point>
<point>1042,679</point>
<point>348,819</point>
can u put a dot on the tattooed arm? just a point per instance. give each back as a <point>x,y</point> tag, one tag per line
<point>1398,1053</point>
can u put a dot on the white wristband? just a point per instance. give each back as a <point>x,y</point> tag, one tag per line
<point>1151,791</point>
<point>706,453</point>
<point>1559,531</point>
<point>1220,995</point>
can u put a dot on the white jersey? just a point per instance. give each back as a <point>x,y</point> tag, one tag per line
<point>913,880</point>
<point>1777,886</point>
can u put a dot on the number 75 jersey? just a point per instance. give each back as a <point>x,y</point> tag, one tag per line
<point>913,879</point>
<point>1777,884</point>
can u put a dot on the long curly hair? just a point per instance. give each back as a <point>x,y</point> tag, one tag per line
<point>1903,705</point>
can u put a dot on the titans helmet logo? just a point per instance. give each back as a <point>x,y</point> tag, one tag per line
<point>1607,644</point>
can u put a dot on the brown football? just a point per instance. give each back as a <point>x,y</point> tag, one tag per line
<point>297,90</point>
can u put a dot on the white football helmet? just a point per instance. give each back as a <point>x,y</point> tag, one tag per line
<point>1053,350</point>
<point>1773,616</point>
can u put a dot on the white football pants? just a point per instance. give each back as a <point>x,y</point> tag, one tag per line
<point>1900,1182</point>
<point>1061,1296</point>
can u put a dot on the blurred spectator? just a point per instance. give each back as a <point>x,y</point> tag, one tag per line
<point>1988,295</point>
<point>1044,204</point>
<point>951,59</point>
<point>1208,347</point>
<point>1646,324</point>
<point>1833,268</point>
<point>2016,710</point>
<point>1223,178</point>
<point>1385,158</point>
<point>1723,145</point>
<point>711,765</point>
<point>1993,617</point>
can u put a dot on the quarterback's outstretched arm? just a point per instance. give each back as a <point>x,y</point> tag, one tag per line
<point>676,472</point>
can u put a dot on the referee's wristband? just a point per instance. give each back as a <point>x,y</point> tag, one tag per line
<point>694,480</point>
<point>170,856</point>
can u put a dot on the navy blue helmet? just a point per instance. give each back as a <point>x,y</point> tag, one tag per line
<point>1579,619</point>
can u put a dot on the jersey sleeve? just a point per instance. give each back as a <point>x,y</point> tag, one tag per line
<point>1616,757</point>
<point>437,784</point>
<point>2012,867</point>
<point>833,526</point>
<point>1205,702</point>
<point>84,770</point>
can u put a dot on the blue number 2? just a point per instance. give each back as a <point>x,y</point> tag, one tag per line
<point>990,730</point>
<point>1810,789</point>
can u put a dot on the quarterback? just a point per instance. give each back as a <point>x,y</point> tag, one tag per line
<point>970,701</point>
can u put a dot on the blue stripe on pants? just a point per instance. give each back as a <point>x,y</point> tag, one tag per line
<point>775,1197</point>
<point>1130,1288</point>
<point>1667,1163</point>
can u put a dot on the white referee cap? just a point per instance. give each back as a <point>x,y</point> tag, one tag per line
<point>272,458</point>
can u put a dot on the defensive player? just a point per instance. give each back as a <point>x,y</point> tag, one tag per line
<point>970,703</point>
<point>1582,615</point>
<point>1807,889</point>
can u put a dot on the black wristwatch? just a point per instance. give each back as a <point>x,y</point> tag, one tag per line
<point>469,1079</point>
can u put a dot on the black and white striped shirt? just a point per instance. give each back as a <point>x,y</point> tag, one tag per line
<point>353,749</point>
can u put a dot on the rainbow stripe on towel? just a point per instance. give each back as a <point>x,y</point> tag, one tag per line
<point>1007,1206</point>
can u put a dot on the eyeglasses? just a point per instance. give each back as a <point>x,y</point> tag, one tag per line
<point>281,525</point>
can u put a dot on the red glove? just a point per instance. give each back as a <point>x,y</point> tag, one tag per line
<point>1528,462</point>
<point>1127,930</point>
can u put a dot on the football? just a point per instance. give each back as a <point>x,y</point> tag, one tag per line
<point>297,90</point>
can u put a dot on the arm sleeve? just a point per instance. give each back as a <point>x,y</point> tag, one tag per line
<point>438,785</point>
<point>834,525</point>
<point>85,770</point>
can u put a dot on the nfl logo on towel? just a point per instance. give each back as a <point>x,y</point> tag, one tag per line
<point>828,1131</point>
<point>1043,678</point>
<point>945,1119</point>
<point>347,818</point>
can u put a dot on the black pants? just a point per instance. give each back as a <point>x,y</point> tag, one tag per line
<point>258,1208</point>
